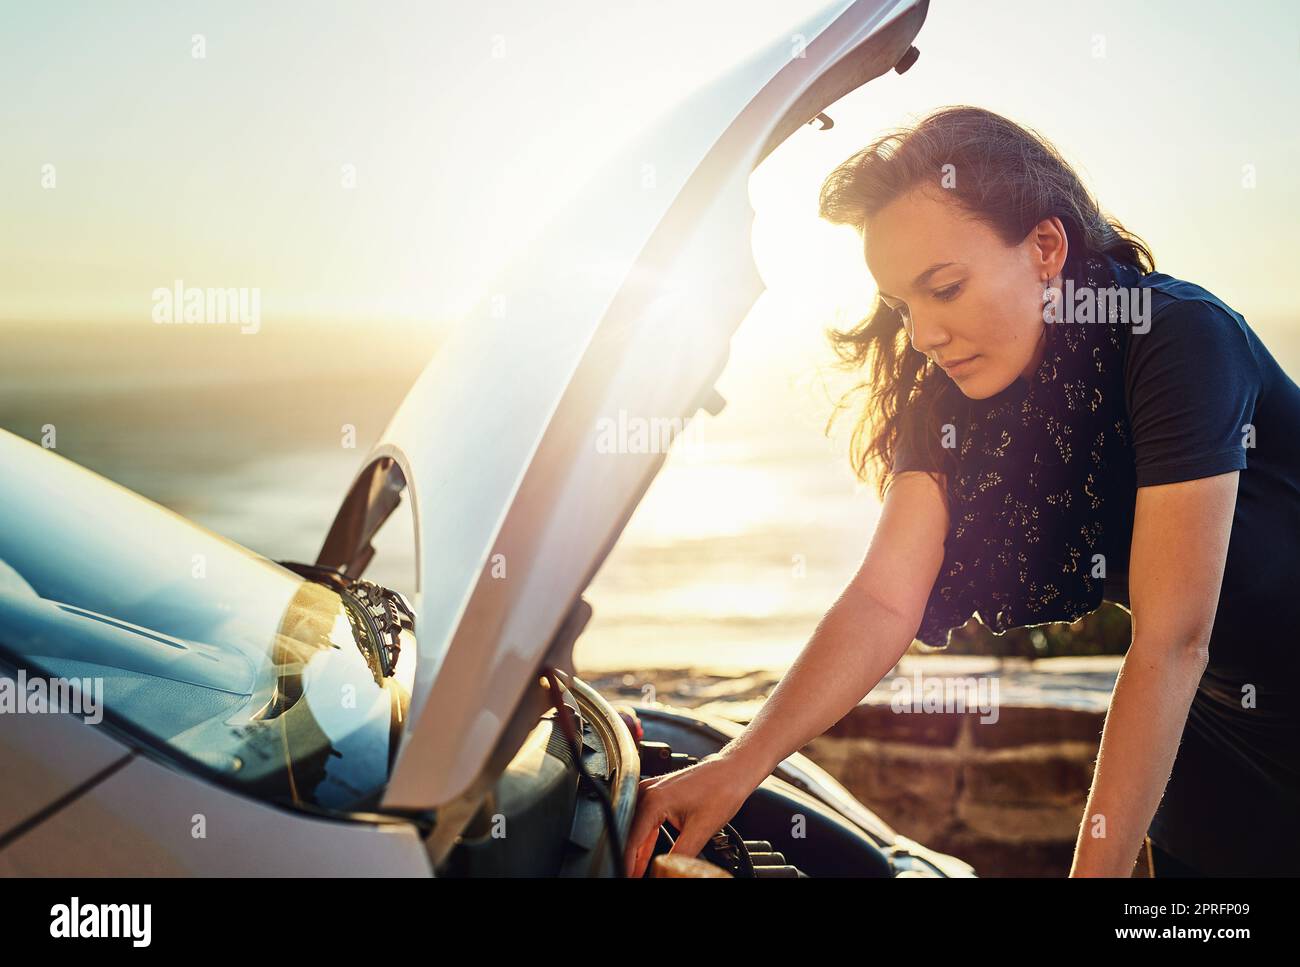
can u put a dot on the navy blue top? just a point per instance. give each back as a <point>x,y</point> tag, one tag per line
<point>1205,397</point>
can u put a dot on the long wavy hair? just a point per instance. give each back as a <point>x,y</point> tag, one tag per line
<point>1008,176</point>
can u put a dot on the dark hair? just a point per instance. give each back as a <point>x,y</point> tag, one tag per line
<point>1011,178</point>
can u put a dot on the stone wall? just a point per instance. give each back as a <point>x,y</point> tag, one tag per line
<point>1006,796</point>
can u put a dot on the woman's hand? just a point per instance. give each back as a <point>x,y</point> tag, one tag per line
<point>698,800</point>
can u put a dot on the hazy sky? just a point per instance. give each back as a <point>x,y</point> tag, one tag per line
<point>465,129</point>
<point>465,125</point>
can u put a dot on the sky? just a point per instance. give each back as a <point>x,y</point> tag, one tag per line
<point>465,129</point>
<point>352,160</point>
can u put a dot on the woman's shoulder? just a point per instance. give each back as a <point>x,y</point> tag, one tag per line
<point>1194,372</point>
<point>1178,319</point>
<point>1182,300</point>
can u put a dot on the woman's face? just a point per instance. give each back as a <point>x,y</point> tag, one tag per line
<point>969,301</point>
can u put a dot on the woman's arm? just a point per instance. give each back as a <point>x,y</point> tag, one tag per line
<point>1180,544</point>
<point>863,634</point>
<point>858,640</point>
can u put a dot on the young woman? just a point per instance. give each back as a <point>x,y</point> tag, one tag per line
<point>1051,423</point>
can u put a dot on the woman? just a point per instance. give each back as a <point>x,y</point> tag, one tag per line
<point>1060,425</point>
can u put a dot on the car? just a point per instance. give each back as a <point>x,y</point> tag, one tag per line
<point>233,715</point>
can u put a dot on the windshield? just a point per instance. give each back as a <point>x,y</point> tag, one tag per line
<point>209,650</point>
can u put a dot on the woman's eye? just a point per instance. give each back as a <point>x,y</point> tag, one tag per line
<point>948,292</point>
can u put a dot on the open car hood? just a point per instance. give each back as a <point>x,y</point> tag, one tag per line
<point>624,307</point>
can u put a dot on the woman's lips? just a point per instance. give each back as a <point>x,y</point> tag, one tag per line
<point>959,365</point>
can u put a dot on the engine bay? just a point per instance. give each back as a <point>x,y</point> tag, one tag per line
<point>544,816</point>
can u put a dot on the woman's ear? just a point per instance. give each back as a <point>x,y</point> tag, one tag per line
<point>1049,247</point>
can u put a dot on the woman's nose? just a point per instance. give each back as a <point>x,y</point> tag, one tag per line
<point>926,335</point>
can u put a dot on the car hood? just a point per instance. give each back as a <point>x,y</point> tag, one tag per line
<point>622,311</point>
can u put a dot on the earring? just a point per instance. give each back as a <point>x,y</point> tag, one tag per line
<point>1050,308</point>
